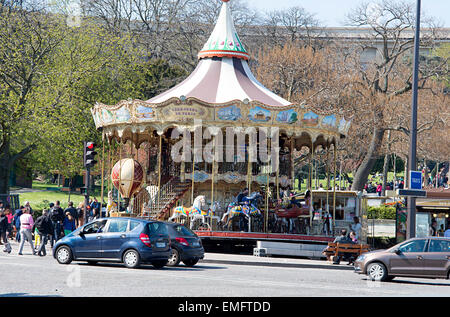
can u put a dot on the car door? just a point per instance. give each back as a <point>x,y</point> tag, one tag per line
<point>409,259</point>
<point>88,243</point>
<point>437,259</point>
<point>116,234</point>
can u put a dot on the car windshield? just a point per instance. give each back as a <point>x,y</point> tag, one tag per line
<point>183,231</point>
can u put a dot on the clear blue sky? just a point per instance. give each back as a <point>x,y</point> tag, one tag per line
<point>332,12</point>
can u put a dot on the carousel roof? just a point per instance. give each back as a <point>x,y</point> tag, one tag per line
<point>222,74</point>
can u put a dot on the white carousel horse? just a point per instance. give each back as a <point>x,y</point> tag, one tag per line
<point>193,213</point>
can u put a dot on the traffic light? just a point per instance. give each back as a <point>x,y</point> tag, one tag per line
<point>89,154</point>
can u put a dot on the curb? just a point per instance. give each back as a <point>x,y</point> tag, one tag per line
<point>286,265</point>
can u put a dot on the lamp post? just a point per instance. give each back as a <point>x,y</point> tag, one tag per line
<point>411,224</point>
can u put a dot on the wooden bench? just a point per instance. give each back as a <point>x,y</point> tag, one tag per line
<point>335,248</point>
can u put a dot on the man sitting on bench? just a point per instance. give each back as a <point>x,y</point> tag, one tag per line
<point>343,238</point>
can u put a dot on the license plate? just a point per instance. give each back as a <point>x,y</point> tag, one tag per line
<point>160,244</point>
<point>196,244</point>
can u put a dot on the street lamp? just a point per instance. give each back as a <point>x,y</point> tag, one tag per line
<point>411,224</point>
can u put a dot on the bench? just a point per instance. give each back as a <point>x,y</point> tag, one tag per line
<point>336,248</point>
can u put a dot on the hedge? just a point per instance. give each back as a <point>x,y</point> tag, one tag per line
<point>381,212</point>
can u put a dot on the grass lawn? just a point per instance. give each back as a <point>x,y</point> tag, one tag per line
<point>42,198</point>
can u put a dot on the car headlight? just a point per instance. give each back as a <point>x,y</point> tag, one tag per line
<point>361,258</point>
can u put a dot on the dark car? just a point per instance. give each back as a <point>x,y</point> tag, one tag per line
<point>418,257</point>
<point>186,245</point>
<point>128,240</point>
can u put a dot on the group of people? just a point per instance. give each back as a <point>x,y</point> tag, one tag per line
<point>54,223</point>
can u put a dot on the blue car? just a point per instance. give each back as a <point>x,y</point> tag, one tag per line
<point>128,240</point>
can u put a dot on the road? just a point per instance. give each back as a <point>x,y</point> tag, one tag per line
<point>30,275</point>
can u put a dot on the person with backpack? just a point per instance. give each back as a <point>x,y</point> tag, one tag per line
<point>44,227</point>
<point>57,218</point>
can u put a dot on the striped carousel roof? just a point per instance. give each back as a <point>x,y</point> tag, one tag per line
<point>222,74</point>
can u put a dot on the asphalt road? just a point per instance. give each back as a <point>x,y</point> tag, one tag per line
<point>29,275</point>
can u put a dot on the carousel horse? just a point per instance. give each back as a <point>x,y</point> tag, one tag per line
<point>244,211</point>
<point>193,213</point>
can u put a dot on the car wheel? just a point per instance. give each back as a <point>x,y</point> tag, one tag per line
<point>174,258</point>
<point>64,255</point>
<point>190,262</point>
<point>131,259</point>
<point>377,271</point>
<point>159,264</point>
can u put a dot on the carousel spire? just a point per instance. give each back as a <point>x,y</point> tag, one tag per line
<point>224,40</point>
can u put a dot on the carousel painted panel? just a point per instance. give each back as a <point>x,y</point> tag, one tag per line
<point>329,122</point>
<point>122,115</point>
<point>145,113</point>
<point>259,115</point>
<point>344,126</point>
<point>230,113</point>
<point>310,119</point>
<point>287,117</point>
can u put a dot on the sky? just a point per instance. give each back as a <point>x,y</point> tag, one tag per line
<point>332,12</point>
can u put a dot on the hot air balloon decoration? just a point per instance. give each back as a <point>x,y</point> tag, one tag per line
<point>127,176</point>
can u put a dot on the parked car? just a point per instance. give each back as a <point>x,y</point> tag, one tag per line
<point>186,245</point>
<point>418,257</point>
<point>128,240</point>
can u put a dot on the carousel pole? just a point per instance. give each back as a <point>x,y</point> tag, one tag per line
<point>212,181</point>
<point>268,168</point>
<point>159,169</point>
<point>328,179</point>
<point>312,171</point>
<point>292,165</point>
<point>120,173</point>
<point>334,185</point>
<point>103,168</point>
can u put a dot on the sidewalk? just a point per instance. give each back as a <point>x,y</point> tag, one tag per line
<point>236,259</point>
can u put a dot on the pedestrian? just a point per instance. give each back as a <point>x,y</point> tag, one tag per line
<point>433,230</point>
<point>10,217</point>
<point>57,218</point>
<point>447,232</point>
<point>80,214</point>
<point>379,189</point>
<point>26,224</point>
<point>68,223</point>
<point>3,230</point>
<point>27,205</point>
<point>16,221</point>
<point>44,227</point>
<point>356,227</point>
<point>73,212</point>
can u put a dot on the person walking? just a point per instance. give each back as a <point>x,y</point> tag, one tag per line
<point>44,227</point>
<point>16,221</point>
<point>57,218</point>
<point>26,224</point>
<point>3,230</point>
<point>68,223</point>
<point>10,217</point>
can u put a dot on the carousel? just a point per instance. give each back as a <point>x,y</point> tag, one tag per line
<point>217,150</point>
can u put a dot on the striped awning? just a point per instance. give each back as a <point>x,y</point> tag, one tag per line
<point>220,80</point>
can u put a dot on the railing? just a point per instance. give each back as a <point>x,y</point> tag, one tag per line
<point>149,203</point>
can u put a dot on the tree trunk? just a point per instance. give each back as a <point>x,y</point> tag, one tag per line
<point>385,173</point>
<point>4,166</point>
<point>362,174</point>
